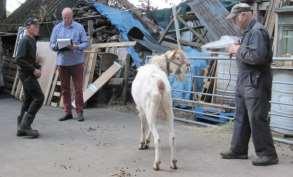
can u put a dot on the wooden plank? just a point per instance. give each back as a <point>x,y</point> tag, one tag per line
<point>102,80</point>
<point>18,89</point>
<point>90,25</point>
<point>16,79</point>
<point>89,69</point>
<point>113,44</point>
<point>271,16</point>
<point>53,86</point>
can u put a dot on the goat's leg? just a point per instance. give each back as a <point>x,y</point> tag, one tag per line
<point>148,138</point>
<point>170,116</point>
<point>155,133</point>
<point>152,121</point>
<point>142,145</point>
<point>173,161</point>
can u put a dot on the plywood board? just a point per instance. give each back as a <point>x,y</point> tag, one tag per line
<point>48,61</point>
<point>102,80</point>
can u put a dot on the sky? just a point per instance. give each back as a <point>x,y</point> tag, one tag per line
<point>11,5</point>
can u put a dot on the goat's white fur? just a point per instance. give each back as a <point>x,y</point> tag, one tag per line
<point>151,92</point>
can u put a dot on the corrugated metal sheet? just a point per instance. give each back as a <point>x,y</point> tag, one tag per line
<point>212,14</point>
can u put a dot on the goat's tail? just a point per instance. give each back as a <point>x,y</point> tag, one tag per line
<point>161,86</point>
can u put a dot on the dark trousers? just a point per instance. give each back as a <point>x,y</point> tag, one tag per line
<point>252,107</point>
<point>33,95</point>
<point>76,73</point>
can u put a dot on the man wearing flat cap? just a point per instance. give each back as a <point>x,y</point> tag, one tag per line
<point>29,72</point>
<point>253,90</point>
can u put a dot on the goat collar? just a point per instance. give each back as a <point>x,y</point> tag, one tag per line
<point>168,61</point>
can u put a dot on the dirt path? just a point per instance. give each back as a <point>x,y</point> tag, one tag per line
<point>106,145</point>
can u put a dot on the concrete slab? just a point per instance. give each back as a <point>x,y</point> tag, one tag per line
<point>106,145</point>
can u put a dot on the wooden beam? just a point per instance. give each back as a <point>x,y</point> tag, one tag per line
<point>125,84</point>
<point>185,29</point>
<point>90,30</point>
<point>176,26</point>
<point>198,35</point>
<point>113,44</point>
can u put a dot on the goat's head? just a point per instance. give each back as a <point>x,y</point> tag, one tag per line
<point>177,63</point>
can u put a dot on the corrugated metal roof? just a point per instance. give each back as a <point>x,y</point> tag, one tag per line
<point>212,14</point>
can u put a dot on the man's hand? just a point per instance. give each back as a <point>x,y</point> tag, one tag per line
<point>72,47</point>
<point>37,73</point>
<point>233,49</point>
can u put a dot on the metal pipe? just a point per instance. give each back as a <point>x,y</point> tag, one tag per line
<point>281,140</point>
<point>280,115</point>
<point>221,78</point>
<point>202,113</point>
<point>201,93</point>
<point>203,103</point>
<point>275,102</point>
<point>201,124</point>
<point>233,58</point>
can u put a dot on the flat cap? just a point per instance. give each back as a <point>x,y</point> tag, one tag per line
<point>31,21</point>
<point>238,8</point>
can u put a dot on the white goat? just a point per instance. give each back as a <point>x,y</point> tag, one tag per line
<point>151,92</point>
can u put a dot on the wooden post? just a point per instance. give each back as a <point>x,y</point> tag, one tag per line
<point>168,27</point>
<point>125,83</point>
<point>90,25</point>
<point>176,26</point>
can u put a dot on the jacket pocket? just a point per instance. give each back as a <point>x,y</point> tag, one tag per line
<point>254,79</point>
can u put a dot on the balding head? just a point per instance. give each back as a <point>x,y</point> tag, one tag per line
<point>67,15</point>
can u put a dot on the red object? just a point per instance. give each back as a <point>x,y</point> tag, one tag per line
<point>76,72</point>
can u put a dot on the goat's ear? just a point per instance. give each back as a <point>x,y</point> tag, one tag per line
<point>174,53</point>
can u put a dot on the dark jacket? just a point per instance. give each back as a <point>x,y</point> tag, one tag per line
<point>26,56</point>
<point>254,58</point>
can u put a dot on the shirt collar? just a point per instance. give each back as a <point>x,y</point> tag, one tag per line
<point>249,26</point>
<point>70,26</point>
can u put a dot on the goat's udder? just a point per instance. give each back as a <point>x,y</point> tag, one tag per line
<point>161,86</point>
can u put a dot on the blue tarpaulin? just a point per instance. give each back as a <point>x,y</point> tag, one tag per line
<point>197,66</point>
<point>124,22</point>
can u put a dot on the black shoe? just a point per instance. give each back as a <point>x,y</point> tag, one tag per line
<point>80,117</point>
<point>28,133</point>
<point>233,155</point>
<point>66,117</point>
<point>265,160</point>
<point>19,119</point>
<point>25,127</point>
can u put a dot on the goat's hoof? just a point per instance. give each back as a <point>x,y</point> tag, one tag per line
<point>156,166</point>
<point>143,146</point>
<point>174,164</point>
